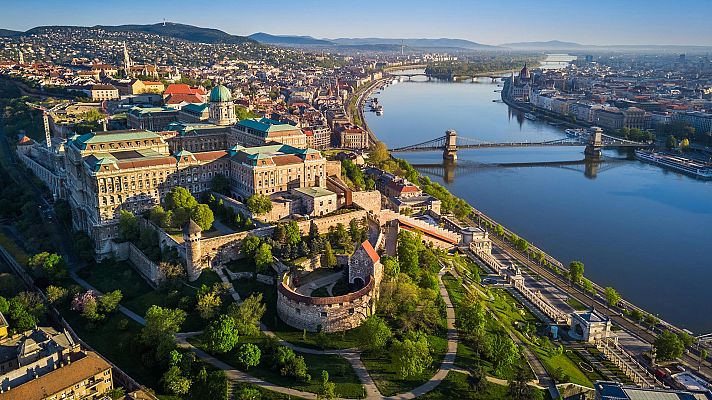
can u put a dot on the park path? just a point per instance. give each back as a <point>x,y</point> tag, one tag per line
<point>122,309</point>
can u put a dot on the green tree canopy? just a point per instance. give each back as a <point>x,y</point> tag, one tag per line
<point>221,335</point>
<point>263,257</point>
<point>203,216</point>
<point>259,204</point>
<point>180,197</point>
<point>374,333</point>
<point>668,346</point>
<point>247,315</point>
<point>249,355</point>
<point>612,296</point>
<point>575,271</point>
<point>411,356</point>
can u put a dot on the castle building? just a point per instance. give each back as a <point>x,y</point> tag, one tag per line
<point>151,118</point>
<point>222,110</point>
<point>276,168</point>
<point>198,137</point>
<point>128,170</point>
<point>263,131</point>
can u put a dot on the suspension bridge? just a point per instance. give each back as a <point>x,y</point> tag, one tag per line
<point>594,142</point>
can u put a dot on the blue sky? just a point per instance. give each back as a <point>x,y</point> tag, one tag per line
<point>683,22</point>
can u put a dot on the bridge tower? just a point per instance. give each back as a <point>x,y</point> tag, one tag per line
<point>595,143</point>
<point>450,148</point>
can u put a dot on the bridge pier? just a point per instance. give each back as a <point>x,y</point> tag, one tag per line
<point>450,148</point>
<point>594,148</point>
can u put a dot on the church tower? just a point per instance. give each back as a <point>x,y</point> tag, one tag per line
<point>127,61</point>
<point>21,57</point>
<point>221,110</point>
<point>191,237</point>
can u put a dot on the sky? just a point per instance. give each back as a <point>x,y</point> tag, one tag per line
<point>595,22</point>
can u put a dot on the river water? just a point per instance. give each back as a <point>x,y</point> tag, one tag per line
<point>643,230</point>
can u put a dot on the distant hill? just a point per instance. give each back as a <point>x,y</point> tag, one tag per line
<point>170,29</point>
<point>550,45</point>
<point>289,40</point>
<point>420,43</point>
<point>9,33</point>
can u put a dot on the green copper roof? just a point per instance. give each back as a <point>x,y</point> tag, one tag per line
<point>112,136</point>
<point>266,125</point>
<point>151,110</point>
<point>220,93</point>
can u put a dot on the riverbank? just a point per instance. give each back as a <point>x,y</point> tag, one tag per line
<point>409,106</point>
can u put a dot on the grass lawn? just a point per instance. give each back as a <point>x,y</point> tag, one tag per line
<point>455,386</point>
<point>264,393</point>
<point>241,265</point>
<point>578,360</point>
<point>577,305</point>
<point>384,373</point>
<point>340,371</point>
<point>568,367</point>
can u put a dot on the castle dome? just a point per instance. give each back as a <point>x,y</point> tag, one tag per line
<point>220,94</point>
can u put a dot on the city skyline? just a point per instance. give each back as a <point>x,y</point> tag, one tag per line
<point>605,22</point>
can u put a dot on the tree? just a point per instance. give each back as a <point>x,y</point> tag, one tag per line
<point>259,204</point>
<point>263,257</point>
<point>208,301</point>
<point>292,234</point>
<point>471,317</point>
<point>477,379</point>
<point>128,226</point>
<point>686,339</point>
<point>374,333</point>
<point>49,265</point>
<point>390,265</point>
<point>379,153</point>
<point>203,216</point>
<point>407,249</point>
<point>161,326</point>
<point>250,245</point>
<point>354,230</point>
<point>328,389</point>
<point>109,301</point>
<point>213,386</point>
<point>504,352</point>
<point>636,315</point>
<point>55,295</point>
<point>703,356</point>
<point>668,346</point>
<point>175,382</point>
<point>328,259</point>
<point>249,355</point>
<point>180,197</point>
<point>684,144</point>
<point>519,389</point>
<point>248,314</point>
<point>671,142</point>
<point>411,356</point>
<point>575,271</point>
<point>221,335</point>
<point>612,296</point>
<point>652,321</point>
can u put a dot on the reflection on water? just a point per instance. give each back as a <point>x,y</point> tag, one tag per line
<point>638,228</point>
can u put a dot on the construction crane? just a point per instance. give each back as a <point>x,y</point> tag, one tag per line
<point>45,119</point>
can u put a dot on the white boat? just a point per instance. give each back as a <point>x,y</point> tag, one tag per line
<point>681,164</point>
<point>530,116</point>
<point>575,132</point>
<point>379,112</point>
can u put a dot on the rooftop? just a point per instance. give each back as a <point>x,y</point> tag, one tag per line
<point>616,391</point>
<point>266,125</point>
<point>112,136</point>
<point>315,192</point>
<point>59,379</point>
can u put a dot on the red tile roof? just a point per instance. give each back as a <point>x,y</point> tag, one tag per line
<point>370,251</point>
<point>177,98</point>
<point>286,160</point>
<point>210,155</point>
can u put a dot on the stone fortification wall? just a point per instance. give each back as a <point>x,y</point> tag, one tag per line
<point>325,314</point>
<point>324,223</point>
<point>369,200</point>
<point>149,270</point>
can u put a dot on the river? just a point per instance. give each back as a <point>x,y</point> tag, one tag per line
<point>643,230</point>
